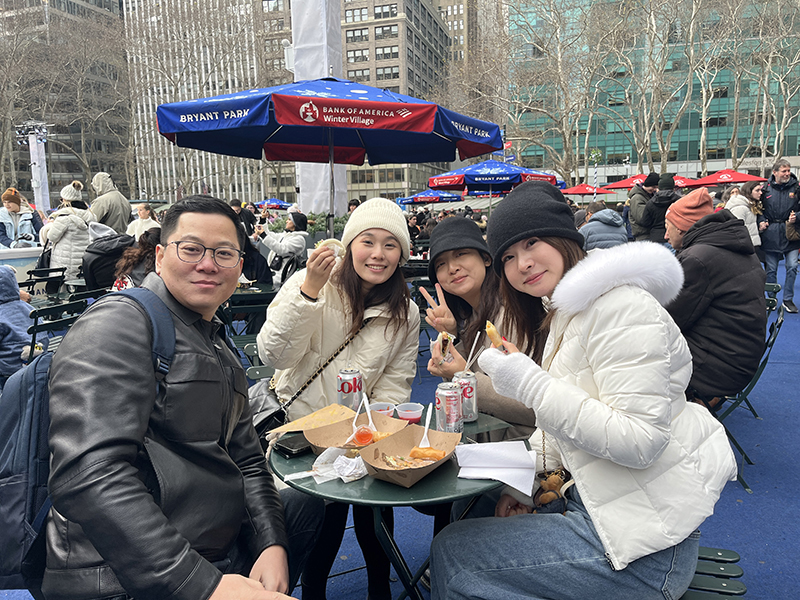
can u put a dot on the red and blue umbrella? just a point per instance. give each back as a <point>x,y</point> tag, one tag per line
<point>430,196</point>
<point>326,120</point>
<point>274,203</point>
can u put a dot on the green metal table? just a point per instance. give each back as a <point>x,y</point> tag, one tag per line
<point>440,486</point>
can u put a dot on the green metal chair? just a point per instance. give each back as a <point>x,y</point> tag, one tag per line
<point>715,576</point>
<point>54,319</point>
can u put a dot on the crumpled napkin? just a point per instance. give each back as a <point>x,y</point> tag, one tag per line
<point>509,462</point>
<point>333,464</point>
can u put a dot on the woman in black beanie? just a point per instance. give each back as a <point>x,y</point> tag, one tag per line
<point>468,294</point>
<point>632,468</point>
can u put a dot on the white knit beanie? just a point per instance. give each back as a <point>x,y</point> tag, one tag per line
<point>72,192</point>
<point>382,214</point>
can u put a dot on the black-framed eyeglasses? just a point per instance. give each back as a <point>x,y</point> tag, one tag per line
<point>193,252</point>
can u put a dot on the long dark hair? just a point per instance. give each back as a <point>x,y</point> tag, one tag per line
<point>143,252</point>
<point>525,314</point>
<point>473,323</point>
<point>393,292</point>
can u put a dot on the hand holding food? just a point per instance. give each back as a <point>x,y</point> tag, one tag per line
<point>337,245</point>
<point>440,368</point>
<point>318,270</point>
<point>439,316</point>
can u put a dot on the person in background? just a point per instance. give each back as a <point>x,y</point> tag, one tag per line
<point>604,227</point>
<point>352,205</point>
<point>14,322</point>
<point>137,261</point>
<point>611,416</point>
<point>656,208</point>
<point>246,218</point>
<point>68,230</point>
<point>362,296</point>
<point>638,197</point>
<point>147,220</point>
<point>747,206</point>
<point>277,248</point>
<point>110,207</point>
<point>19,223</point>
<point>780,201</point>
<point>413,229</point>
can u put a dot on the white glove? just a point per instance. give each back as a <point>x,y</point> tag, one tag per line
<point>26,236</point>
<point>515,376</point>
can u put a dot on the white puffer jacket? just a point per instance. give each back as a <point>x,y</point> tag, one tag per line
<point>69,234</point>
<point>300,335</point>
<point>741,209</point>
<point>648,465</point>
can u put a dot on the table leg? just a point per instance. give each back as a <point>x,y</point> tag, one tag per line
<point>393,552</point>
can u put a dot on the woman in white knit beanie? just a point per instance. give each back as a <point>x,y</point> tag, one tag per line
<point>314,313</point>
<point>68,230</point>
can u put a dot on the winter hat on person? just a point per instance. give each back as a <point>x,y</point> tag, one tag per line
<point>651,180</point>
<point>299,219</point>
<point>454,234</point>
<point>72,192</point>
<point>690,209</point>
<point>383,214</point>
<point>12,195</point>
<point>533,209</point>
<point>666,182</point>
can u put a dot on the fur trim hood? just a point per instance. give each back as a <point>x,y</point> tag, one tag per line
<point>647,265</point>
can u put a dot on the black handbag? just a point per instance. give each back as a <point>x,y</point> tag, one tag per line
<point>278,417</point>
<point>43,261</point>
<point>276,263</point>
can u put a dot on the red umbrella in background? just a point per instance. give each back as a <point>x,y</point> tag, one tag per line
<point>626,184</point>
<point>682,182</point>
<point>724,177</point>
<point>585,189</point>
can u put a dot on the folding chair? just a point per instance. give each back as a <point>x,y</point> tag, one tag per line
<point>715,576</point>
<point>61,317</point>
<point>51,279</point>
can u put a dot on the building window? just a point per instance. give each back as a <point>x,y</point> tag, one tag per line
<point>358,55</point>
<point>386,11</point>
<point>717,122</point>
<point>387,52</point>
<point>387,73</point>
<point>359,176</point>
<point>355,15</point>
<point>357,35</point>
<point>386,31</point>
<point>272,5</point>
<point>717,153</point>
<point>275,25</point>
<point>389,175</point>
<point>358,75</point>
<point>720,92</point>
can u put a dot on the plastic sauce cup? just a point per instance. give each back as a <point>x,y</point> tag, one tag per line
<point>410,411</point>
<point>385,408</point>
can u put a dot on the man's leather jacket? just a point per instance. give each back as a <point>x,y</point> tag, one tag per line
<point>150,488</point>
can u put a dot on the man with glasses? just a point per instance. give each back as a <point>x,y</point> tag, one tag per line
<point>160,490</point>
<point>780,204</point>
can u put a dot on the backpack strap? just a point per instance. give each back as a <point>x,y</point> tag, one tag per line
<point>162,326</point>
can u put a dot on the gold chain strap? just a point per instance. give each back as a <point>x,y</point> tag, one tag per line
<point>316,374</point>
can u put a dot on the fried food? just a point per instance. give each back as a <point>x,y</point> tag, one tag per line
<point>401,462</point>
<point>338,247</point>
<point>494,335</point>
<point>426,453</point>
<point>377,436</point>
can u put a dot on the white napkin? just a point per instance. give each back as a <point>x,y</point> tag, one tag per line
<point>509,462</point>
<point>333,464</point>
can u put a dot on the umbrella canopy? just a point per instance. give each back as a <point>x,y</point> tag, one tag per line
<point>626,184</point>
<point>274,203</point>
<point>724,177</point>
<point>585,189</point>
<point>306,120</point>
<point>682,182</point>
<point>429,196</point>
<point>490,175</point>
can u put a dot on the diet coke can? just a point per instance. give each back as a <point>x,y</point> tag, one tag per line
<point>349,388</point>
<point>469,394</point>
<point>448,408</point>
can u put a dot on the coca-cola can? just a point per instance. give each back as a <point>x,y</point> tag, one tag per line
<point>349,388</point>
<point>448,408</point>
<point>469,394</point>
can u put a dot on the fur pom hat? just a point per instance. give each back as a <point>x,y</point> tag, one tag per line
<point>383,214</point>
<point>72,192</point>
<point>12,195</point>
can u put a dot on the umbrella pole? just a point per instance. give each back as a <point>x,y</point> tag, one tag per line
<point>333,191</point>
<point>490,201</point>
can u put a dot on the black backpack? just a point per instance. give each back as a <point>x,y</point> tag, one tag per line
<point>25,453</point>
<point>100,259</point>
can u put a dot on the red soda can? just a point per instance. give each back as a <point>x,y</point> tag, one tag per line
<point>448,408</point>
<point>350,386</point>
<point>469,394</point>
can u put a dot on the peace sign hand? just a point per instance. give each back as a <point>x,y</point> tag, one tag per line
<point>439,316</point>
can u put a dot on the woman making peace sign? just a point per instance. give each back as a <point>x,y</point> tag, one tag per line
<point>468,295</point>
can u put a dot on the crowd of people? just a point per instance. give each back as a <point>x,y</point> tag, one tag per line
<point>621,326</point>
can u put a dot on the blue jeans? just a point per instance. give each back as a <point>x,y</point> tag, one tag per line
<point>772,259</point>
<point>537,557</point>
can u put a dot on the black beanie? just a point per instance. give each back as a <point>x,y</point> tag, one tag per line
<point>666,182</point>
<point>454,233</point>
<point>300,221</point>
<point>651,180</point>
<point>533,209</point>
